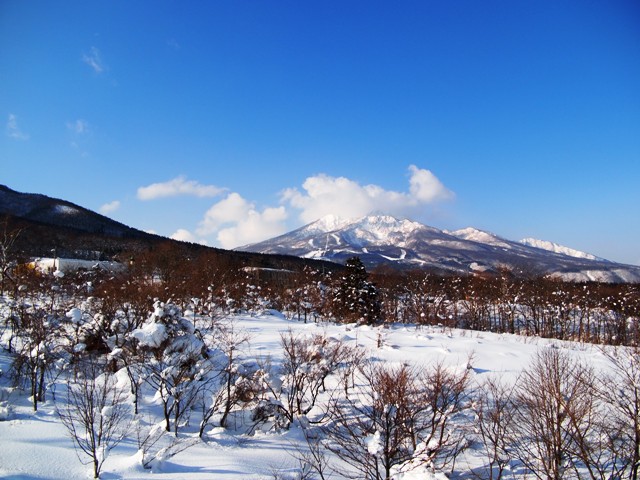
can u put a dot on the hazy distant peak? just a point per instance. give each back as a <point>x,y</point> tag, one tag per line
<point>556,248</point>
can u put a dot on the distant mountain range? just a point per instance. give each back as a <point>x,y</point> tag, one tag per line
<point>384,240</point>
<point>50,225</point>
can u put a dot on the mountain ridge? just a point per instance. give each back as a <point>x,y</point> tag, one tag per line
<point>51,226</point>
<point>385,240</point>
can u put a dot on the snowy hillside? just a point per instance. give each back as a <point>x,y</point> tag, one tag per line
<point>385,240</point>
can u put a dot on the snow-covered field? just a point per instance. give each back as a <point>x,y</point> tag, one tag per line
<point>35,445</point>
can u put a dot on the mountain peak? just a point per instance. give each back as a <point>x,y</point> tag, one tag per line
<point>481,236</point>
<point>380,239</point>
<point>328,223</point>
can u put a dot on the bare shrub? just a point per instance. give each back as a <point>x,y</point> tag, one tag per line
<point>441,439</point>
<point>95,414</point>
<point>555,415</point>
<point>621,394</point>
<point>308,361</point>
<point>495,415</point>
<point>371,430</point>
<point>399,418</point>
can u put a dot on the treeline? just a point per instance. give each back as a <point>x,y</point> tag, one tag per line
<point>533,306</point>
<point>506,303</point>
<point>600,313</point>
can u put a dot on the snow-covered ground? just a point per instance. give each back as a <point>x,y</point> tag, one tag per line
<point>35,445</point>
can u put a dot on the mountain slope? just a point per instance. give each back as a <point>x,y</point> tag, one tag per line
<point>50,226</point>
<point>385,240</point>
<point>60,213</point>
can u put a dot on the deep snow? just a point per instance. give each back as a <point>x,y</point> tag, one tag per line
<point>34,445</point>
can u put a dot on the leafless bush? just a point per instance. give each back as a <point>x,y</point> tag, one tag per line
<point>399,417</point>
<point>495,415</point>
<point>229,340</point>
<point>35,359</point>
<point>371,431</point>
<point>556,417</point>
<point>308,361</point>
<point>444,395</point>
<point>95,414</point>
<point>621,395</point>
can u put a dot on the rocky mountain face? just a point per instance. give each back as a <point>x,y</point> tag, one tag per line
<point>384,240</point>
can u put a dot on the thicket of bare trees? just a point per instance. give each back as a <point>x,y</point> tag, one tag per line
<point>563,420</point>
<point>399,417</point>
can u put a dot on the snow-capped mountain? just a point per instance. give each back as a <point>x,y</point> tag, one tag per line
<point>386,240</point>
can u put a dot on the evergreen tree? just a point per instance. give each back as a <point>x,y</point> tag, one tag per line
<point>356,297</point>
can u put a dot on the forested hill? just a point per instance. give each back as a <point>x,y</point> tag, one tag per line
<point>45,226</point>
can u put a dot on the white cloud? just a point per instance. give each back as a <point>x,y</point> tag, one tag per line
<point>94,60</point>
<point>228,210</point>
<point>79,126</point>
<point>236,222</point>
<point>186,236</point>
<point>425,187</point>
<point>179,186</point>
<point>13,130</point>
<point>110,207</point>
<point>324,195</point>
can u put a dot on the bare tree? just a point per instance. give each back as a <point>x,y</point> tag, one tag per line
<point>621,394</point>
<point>95,414</point>
<point>176,366</point>
<point>495,415</point>
<point>8,238</point>
<point>400,417</point>
<point>35,359</point>
<point>308,361</point>
<point>439,440</point>
<point>230,340</point>
<point>233,385</point>
<point>555,416</point>
<point>371,430</point>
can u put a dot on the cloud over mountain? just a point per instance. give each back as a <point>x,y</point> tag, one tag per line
<point>235,220</point>
<point>325,195</point>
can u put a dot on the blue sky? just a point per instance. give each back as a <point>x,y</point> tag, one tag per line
<point>230,122</point>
